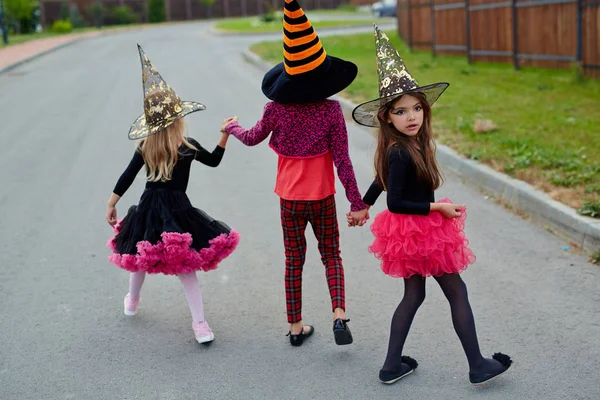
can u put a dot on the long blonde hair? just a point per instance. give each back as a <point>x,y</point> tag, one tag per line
<point>161,151</point>
<point>421,148</point>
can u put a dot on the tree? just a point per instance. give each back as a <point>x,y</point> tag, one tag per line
<point>156,11</point>
<point>20,12</point>
<point>208,4</point>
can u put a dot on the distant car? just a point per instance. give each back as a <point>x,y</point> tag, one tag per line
<point>384,8</point>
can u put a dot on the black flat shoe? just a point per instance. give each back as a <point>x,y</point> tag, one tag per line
<point>389,377</point>
<point>482,377</point>
<point>341,332</point>
<point>297,340</point>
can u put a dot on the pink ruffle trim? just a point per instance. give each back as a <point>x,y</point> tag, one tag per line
<point>173,255</point>
<point>429,245</point>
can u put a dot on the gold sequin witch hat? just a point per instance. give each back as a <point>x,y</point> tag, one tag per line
<point>307,72</point>
<point>162,106</point>
<point>394,81</point>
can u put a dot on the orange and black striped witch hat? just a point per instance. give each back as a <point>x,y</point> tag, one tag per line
<point>307,72</point>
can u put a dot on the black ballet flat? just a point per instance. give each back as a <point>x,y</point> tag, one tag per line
<point>389,377</point>
<point>341,332</point>
<point>483,377</point>
<point>297,340</point>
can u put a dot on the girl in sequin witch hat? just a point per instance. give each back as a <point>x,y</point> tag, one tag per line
<point>417,237</point>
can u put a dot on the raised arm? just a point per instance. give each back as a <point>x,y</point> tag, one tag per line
<point>256,134</point>
<point>207,158</point>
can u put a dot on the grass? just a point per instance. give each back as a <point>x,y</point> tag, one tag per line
<point>548,120</point>
<point>596,257</point>
<point>255,25</point>
<point>19,39</point>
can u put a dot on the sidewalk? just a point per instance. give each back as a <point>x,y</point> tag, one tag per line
<point>12,56</point>
<point>15,55</point>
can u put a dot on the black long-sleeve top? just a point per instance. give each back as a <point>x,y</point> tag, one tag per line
<point>406,194</point>
<point>181,170</point>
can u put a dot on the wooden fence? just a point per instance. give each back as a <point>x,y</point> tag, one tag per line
<point>181,10</point>
<point>543,33</point>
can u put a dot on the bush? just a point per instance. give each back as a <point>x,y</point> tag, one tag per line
<point>269,15</point>
<point>61,26</point>
<point>156,11</point>
<point>124,15</point>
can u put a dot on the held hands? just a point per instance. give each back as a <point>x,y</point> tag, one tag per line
<point>227,121</point>
<point>359,218</point>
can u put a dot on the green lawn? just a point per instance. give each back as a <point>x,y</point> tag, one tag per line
<point>255,25</point>
<point>548,120</point>
<point>18,39</point>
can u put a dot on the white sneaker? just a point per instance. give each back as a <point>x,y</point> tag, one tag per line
<point>202,332</point>
<point>130,306</point>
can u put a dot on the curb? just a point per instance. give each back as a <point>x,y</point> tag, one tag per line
<point>550,214</point>
<point>322,31</point>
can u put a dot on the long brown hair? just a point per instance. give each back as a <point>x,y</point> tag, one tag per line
<point>421,147</point>
<point>160,151</point>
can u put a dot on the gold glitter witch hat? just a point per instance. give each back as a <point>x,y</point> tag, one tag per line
<point>162,106</point>
<point>394,81</point>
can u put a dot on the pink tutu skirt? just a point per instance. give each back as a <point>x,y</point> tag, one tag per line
<point>165,234</point>
<point>424,245</point>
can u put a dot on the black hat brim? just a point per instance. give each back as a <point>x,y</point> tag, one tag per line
<point>330,78</point>
<point>366,113</point>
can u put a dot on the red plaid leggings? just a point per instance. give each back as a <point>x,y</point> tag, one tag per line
<point>295,214</point>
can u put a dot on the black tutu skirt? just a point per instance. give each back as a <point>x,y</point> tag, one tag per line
<point>165,234</point>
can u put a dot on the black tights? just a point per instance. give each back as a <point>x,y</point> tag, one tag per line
<point>455,291</point>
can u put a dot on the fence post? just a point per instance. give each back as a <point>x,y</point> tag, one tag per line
<point>468,27</point>
<point>410,42</point>
<point>432,19</point>
<point>432,2</point>
<point>579,32</point>
<point>515,35</point>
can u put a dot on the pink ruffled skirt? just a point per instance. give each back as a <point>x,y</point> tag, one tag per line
<point>430,245</point>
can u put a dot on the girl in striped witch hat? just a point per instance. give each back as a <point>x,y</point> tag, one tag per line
<point>309,136</point>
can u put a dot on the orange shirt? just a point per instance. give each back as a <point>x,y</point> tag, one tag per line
<point>305,178</point>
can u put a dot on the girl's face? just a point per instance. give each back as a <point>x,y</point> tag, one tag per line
<point>406,115</point>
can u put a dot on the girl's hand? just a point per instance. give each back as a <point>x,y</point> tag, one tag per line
<point>359,218</point>
<point>451,210</point>
<point>226,122</point>
<point>111,215</point>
